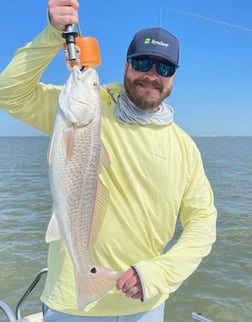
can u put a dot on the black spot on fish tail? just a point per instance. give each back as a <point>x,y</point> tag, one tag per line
<point>93,270</point>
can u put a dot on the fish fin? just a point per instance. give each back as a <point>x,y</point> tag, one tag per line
<point>53,232</point>
<point>69,142</point>
<point>101,204</point>
<point>50,150</point>
<point>93,284</point>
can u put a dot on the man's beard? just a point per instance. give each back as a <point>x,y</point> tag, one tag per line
<point>145,103</point>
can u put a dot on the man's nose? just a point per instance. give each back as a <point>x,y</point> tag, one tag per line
<point>152,72</point>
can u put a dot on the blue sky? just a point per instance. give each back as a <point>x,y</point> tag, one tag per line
<point>212,93</point>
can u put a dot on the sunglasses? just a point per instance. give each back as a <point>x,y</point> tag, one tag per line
<point>145,64</point>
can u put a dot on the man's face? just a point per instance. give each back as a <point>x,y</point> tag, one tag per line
<point>146,89</point>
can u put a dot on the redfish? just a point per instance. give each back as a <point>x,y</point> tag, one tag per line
<point>79,198</point>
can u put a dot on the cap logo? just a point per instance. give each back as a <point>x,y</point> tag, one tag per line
<point>149,41</point>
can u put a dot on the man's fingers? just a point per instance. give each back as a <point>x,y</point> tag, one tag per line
<point>135,292</point>
<point>133,281</point>
<point>125,279</point>
<point>130,284</point>
<point>63,12</point>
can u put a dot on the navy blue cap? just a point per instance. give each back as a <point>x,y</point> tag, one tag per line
<point>156,42</point>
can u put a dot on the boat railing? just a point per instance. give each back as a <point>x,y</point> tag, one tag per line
<point>28,291</point>
<point>7,311</point>
<point>14,317</point>
<point>199,317</point>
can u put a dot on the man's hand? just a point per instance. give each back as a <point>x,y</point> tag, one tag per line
<point>129,283</point>
<point>63,12</point>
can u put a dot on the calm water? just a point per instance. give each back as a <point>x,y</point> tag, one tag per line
<point>221,288</point>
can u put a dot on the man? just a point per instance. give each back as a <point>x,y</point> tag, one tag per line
<point>156,176</point>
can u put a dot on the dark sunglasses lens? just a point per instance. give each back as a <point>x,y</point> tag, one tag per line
<point>141,65</point>
<point>144,65</point>
<point>165,70</point>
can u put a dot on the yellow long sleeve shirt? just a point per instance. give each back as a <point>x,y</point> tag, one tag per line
<point>156,176</point>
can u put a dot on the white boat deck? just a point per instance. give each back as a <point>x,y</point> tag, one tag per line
<point>32,318</point>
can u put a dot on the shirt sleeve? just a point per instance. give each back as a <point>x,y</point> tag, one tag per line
<point>165,273</point>
<point>21,93</point>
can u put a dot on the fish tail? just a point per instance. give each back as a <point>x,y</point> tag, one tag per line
<point>93,284</point>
